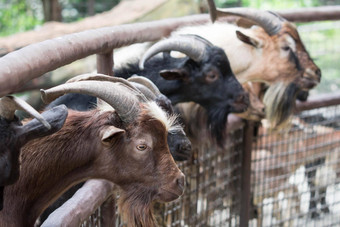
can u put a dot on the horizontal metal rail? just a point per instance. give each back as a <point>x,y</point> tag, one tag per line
<point>309,14</point>
<point>21,66</point>
<point>77,209</point>
<point>319,101</point>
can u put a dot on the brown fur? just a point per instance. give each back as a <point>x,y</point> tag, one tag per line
<point>76,153</point>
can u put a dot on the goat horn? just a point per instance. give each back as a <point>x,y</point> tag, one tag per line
<point>144,89</point>
<point>191,45</point>
<point>122,98</point>
<point>146,82</point>
<point>269,21</point>
<point>9,104</point>
<point>103,77</point>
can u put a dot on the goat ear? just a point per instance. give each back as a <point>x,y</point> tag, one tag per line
<point>34,129</point>
<point>109,132</point>
<point>248,40</point>
<point>174,74</point>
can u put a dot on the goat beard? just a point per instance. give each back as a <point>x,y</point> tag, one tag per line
<point>135,206</point>
<point>217,124</point>
<point>279,100</point>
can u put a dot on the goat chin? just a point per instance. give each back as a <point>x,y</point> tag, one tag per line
<point>279,106</point>
<point>136,210</point>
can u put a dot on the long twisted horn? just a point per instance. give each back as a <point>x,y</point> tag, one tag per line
<point>191,45</point>
<point>9,104</point>
<point>121,97</point>
<point>269,21</point>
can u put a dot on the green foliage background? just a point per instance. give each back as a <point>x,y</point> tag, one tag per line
<point>17,16</point>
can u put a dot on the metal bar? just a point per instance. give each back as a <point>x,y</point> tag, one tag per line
<point>309,14</point>
<point>23,65</point>
<point>245,173</point>
<point>108,208</point>
<point>108,212</point>
<point>318,101</point>
<point>105,63</point>
<point>84,202</point>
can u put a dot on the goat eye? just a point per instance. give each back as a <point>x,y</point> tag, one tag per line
<point>141,147</point>
<point>211,77</point>
<point>285,48</point>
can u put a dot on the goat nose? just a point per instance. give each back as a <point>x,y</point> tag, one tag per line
<point>185,147</point>
<point>180,181</point>
<point>242,98</point>
<point>318,73</point>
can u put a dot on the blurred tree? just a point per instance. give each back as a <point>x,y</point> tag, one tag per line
<point>17,16</point>
<point>52,10</point>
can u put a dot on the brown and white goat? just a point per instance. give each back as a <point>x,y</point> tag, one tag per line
<point>271,53</point>
<point>14,135</point>
<point>125,145</point>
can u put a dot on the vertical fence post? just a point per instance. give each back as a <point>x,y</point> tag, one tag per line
<point>105,63</point>
<point>108,209</point>
<point>245,173</point>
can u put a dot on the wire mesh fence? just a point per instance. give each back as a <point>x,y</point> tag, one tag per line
<point>295,172</point>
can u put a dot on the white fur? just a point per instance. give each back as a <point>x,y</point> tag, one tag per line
<point>156,112</point>
<point>224,35</point>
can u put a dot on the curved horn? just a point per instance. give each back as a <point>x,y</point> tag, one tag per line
<point>9,104</point>
<point>190,45</point>
<point>146,82</point>
<point>121,97</point>
<point>103,77</point>
<point>269,21</point>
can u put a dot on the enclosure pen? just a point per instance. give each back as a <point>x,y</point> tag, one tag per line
<point>284,179</point>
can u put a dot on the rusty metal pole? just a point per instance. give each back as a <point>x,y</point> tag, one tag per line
<point>108,212</point>
<point>108,209</point>
<point>105,63</point>
<point>245,173</point>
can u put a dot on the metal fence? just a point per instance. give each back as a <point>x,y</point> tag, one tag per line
<point>284,178</point>
<point>295,173</point>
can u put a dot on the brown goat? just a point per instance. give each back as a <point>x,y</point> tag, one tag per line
<point>126,146</point>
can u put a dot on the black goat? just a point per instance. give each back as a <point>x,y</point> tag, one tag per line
<point>14,135</point>
<point>204,77</point>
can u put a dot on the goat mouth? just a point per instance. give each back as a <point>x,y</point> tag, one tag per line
<point>307,83</point>
<point>168,195</point>
<point>182,155</point>
<point>239,107</point>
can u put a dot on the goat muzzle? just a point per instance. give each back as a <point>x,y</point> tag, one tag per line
<point>240,103</point>
<point>173,190</point>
